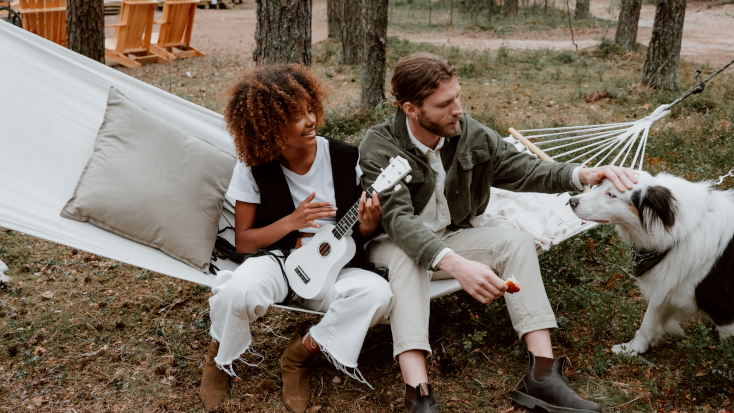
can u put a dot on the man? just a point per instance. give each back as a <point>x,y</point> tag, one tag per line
<point>455,160</point>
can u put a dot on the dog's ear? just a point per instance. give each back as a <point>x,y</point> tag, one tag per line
<point>657,202</point>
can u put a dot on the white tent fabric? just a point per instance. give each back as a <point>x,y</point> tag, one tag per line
<point>51,106</point>
<point>3,278</point>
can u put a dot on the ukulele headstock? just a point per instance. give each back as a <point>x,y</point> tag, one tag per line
<point>392,174</point>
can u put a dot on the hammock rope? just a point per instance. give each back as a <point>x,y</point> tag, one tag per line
<point>613,140</point>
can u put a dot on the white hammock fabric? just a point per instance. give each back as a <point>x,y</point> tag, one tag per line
<point>51,106</point>
<point>597,143</point>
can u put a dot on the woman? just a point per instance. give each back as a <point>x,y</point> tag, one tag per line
<point>288,183</point>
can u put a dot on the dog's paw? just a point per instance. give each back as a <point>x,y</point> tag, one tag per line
<point>624,349</point>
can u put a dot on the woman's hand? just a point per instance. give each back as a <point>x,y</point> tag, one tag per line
<point>369,214</point>
<point>308,212</point>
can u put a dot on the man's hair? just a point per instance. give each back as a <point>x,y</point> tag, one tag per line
<point>264,104</point>
<point>417,76</point>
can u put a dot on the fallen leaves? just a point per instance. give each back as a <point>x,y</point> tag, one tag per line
<point>594,97</point>
<point>48,294</point>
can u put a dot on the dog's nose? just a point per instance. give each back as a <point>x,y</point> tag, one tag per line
<point>574,202</point>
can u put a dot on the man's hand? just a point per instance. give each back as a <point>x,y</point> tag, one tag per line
<point>475,278</point>
<point>621,177</point>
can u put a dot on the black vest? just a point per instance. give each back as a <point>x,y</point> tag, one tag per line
<point>276,201</point>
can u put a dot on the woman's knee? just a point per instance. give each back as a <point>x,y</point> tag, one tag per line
<point>371,289</point>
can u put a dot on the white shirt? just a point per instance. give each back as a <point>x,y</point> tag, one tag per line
<point>436,215</point>
<point>319,179</point>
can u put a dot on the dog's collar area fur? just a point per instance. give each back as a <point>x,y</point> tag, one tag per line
<point>644,260</point>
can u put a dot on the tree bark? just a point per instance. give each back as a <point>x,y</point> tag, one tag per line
<point>582,9</point>
<point>629,19</point>
<point>352,33</point>
<point>374,52</point>
<point>334,16</point>
<point>85,28</point>
<point>283,33</point>
<point>511,7</point>
<point>661,65</point>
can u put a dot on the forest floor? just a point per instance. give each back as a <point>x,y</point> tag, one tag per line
<point>81,333</point>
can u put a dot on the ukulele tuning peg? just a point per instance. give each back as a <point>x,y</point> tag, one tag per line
<point>397,187</point>
<point>392,159</point>
<point>408,178</point>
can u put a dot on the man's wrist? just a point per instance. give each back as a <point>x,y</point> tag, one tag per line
<point>580,177</point>
<point>446,263</point>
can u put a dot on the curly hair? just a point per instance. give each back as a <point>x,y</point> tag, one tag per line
<point>264,104</point>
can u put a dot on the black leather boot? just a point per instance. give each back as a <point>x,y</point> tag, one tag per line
<point>420,399</point>
<point>551,393</point>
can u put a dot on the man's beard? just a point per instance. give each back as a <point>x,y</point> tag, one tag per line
<point>441,129</point>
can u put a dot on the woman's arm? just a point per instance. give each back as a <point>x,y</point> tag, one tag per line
<point>249,239</point>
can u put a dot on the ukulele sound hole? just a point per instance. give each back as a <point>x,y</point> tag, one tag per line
<point>324,249</point>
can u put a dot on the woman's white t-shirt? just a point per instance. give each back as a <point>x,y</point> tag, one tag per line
<point>319,179</point>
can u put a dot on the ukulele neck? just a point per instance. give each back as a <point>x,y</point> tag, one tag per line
<point>349,219</point>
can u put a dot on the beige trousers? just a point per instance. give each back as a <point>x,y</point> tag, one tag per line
<point>507,251</point>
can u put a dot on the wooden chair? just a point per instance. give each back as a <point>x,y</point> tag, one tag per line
<point>133,35</point>
<point>176,27</point>
<point>46,18</point>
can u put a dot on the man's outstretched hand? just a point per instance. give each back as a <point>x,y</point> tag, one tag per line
<point>475,278</point>
<point>621,177</point>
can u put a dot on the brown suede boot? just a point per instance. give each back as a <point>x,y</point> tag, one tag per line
<point>296,389</point>
<point>215,383</point>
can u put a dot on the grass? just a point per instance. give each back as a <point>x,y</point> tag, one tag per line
<point>412,16</point>
<point>83,332</point>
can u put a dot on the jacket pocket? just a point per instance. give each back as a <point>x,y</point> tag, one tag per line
<point>475,156</point>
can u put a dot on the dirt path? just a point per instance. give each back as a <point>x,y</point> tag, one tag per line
<point>708,34</point>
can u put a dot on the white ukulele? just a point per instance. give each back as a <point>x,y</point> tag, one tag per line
<point>313,268</point>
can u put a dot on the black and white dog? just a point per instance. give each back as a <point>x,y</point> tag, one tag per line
<point>682,238</point>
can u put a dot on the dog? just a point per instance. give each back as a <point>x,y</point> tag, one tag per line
<point>682,238</point>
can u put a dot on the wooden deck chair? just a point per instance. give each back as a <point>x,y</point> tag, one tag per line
<point>176,27</point>
<point>133,35</point>
<point>46,18</point>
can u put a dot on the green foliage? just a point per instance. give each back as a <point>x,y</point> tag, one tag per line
<point>471,340</point>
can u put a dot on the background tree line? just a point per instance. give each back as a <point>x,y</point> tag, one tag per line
<point>283,33</point>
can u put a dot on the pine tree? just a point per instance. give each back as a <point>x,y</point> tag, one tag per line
<point>661,65</point>
<point>283,33</point>
<point>85,28</point>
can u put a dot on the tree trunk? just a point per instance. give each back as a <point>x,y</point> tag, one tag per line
<point>451,14</point>
<point>283,33</point>
<point>582,9</point>
<point>490,11</point>
<point>629,19</point>
<point>661,65</point>
<point>85,28</point>
<point>429,12</point>
<point>374,52</point>
<point>352,33</point>
<point>334,16</point>
<point>511,8</point>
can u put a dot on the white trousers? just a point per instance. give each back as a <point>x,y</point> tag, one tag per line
<point>357,301</point>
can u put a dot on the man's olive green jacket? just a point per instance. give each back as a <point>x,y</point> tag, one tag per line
<point>475,160</point>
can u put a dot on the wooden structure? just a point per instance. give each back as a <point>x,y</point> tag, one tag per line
<point>176,27</point>
<point>133,35</point>
<point>46,18</point>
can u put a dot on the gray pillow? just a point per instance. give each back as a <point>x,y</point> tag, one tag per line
<point>152,183</point>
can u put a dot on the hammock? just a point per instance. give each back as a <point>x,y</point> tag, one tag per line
<point>52,103</point>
